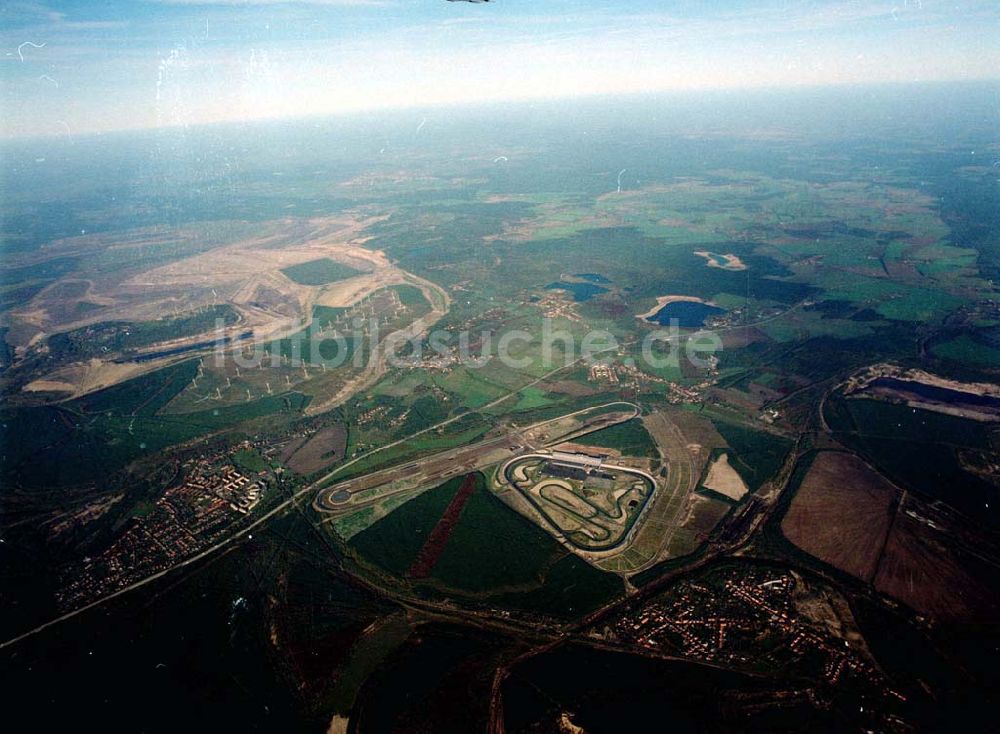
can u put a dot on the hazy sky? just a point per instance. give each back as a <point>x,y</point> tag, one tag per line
<point>84,66</point>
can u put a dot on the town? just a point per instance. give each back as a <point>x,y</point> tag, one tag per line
<point>213,498</point>
<point>758,619</point>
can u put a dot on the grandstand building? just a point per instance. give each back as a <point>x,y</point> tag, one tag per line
<point>574,465</point>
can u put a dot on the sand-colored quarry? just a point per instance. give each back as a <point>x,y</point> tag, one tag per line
<point>724,261</point>
<point>960,399</point>
<point>82,378</point>
<point>243,270</point>
<point>245,274</point>
<point>725,480</point>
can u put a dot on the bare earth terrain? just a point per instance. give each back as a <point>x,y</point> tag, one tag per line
<point>722,478</point>
<point>245,274</point>
<point>936,563</point>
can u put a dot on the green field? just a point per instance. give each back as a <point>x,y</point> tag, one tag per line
<point>326,315</point>
<point>319,272</point>
<point>493,548</point>
<point>250,461</point>
<point>630,438</point>
<point>492,553</point>
<point>410,295</point>
<point>967,350</point>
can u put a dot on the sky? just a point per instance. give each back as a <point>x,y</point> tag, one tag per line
<point>82,67</point>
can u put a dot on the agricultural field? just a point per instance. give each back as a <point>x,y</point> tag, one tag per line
<point>316,452</point>
<point>841,514</point>
<point>917,552</point>
<point>723,479</point>
<point>939,564</point>
<point>967,349</point>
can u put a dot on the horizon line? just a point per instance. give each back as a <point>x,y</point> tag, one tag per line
<point>516,100</point>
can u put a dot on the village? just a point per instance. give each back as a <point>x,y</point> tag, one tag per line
<point>189,517</point>
<point>728,617</point>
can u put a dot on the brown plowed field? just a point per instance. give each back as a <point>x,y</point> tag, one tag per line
<point>322,449</point>
<point>841,514</point>
<point>938,565</point>
<point>423,564</point>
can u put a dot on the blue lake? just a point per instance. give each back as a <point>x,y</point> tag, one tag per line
<point>580,291</point>
<point>689,314</point>
<point>938,393</point>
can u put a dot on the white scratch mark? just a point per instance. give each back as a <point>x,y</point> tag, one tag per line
<point>421,125</point>
<point>620,179</point>
<point>47,78</point>
<point>28,43</point>
<point>500,158</point>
